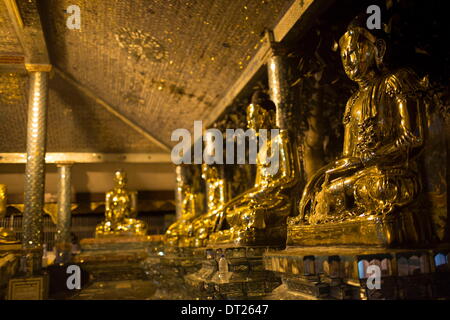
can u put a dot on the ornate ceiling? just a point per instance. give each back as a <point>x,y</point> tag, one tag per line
<point>161,64</point>
<point>8,39</point>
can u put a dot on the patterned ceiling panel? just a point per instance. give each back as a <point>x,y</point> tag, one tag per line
<point>13,115</point>
<point>75,123</point>
<point>78,124</point>
<point>9,43</point>
<point>161,63</point>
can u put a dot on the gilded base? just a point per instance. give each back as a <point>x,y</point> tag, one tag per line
<point>116,258</point>
<point>167,268</point>
<point>393,231</point>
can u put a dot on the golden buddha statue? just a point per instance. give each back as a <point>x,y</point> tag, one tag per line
<point>384,133</point>
<point>258,216</point>
<point>181,228</point>
<point>6,236</point>
<point>201,227</point>
<point>120,211</point>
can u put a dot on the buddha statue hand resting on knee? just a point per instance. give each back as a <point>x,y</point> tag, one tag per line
<point>178,232</point>
<point>258,216</point>
<point>383,134</point>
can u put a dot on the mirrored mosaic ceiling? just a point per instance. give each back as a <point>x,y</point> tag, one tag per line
<point>162,64</point>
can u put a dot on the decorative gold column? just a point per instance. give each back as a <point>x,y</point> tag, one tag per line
<point>64,219</point>
<point>35,168</point>
<point>279,87</point>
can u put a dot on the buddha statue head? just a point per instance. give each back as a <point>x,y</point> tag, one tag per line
<point>209,172</point>
<point>261,112</point>
<point>187,190</point>
<point>362,51</point>
<point>120,178</point>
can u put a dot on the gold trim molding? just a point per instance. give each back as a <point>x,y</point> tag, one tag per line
<point>12,4</point>
<point>32,67</point>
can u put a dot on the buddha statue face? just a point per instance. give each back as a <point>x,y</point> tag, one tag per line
<point>261,112</point>
<point>120,178</point>
<point>187,189</point>
<point>259,118</point>
<point>209,172</point>
<point>361,53</point>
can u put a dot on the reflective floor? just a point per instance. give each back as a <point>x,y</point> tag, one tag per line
<point>117,290</point>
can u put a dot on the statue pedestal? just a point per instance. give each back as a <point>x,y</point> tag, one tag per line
<point>167,267</point>
<point>346,273</point>
<point>116,257</point>
<point>371,231</point>
<point>246,277</point>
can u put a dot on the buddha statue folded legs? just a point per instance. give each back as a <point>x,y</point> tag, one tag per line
<point>257,222</point>
<point>383,136</point>
<point>367,192</point>
<point>258,216</point>
<point>7,236</point>
<point>179,231</point>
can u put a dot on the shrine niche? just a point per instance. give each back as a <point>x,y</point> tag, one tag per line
<point>272,150</point>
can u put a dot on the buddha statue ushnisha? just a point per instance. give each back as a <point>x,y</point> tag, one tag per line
<point>119,212</point>
<point>383,134</point>
<point>180,229</point>
<point>202,226</point>
<point>258,216</point>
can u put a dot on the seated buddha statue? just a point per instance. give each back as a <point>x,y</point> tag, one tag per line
<point>258,216</point>
<point>120,212</point>
<point>383,134</point>
<point>6,236</point>
<point>201,227</point>
<point>180,229</point>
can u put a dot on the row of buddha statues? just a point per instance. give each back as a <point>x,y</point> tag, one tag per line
<point>375,177</point>
<point>120,213</point>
